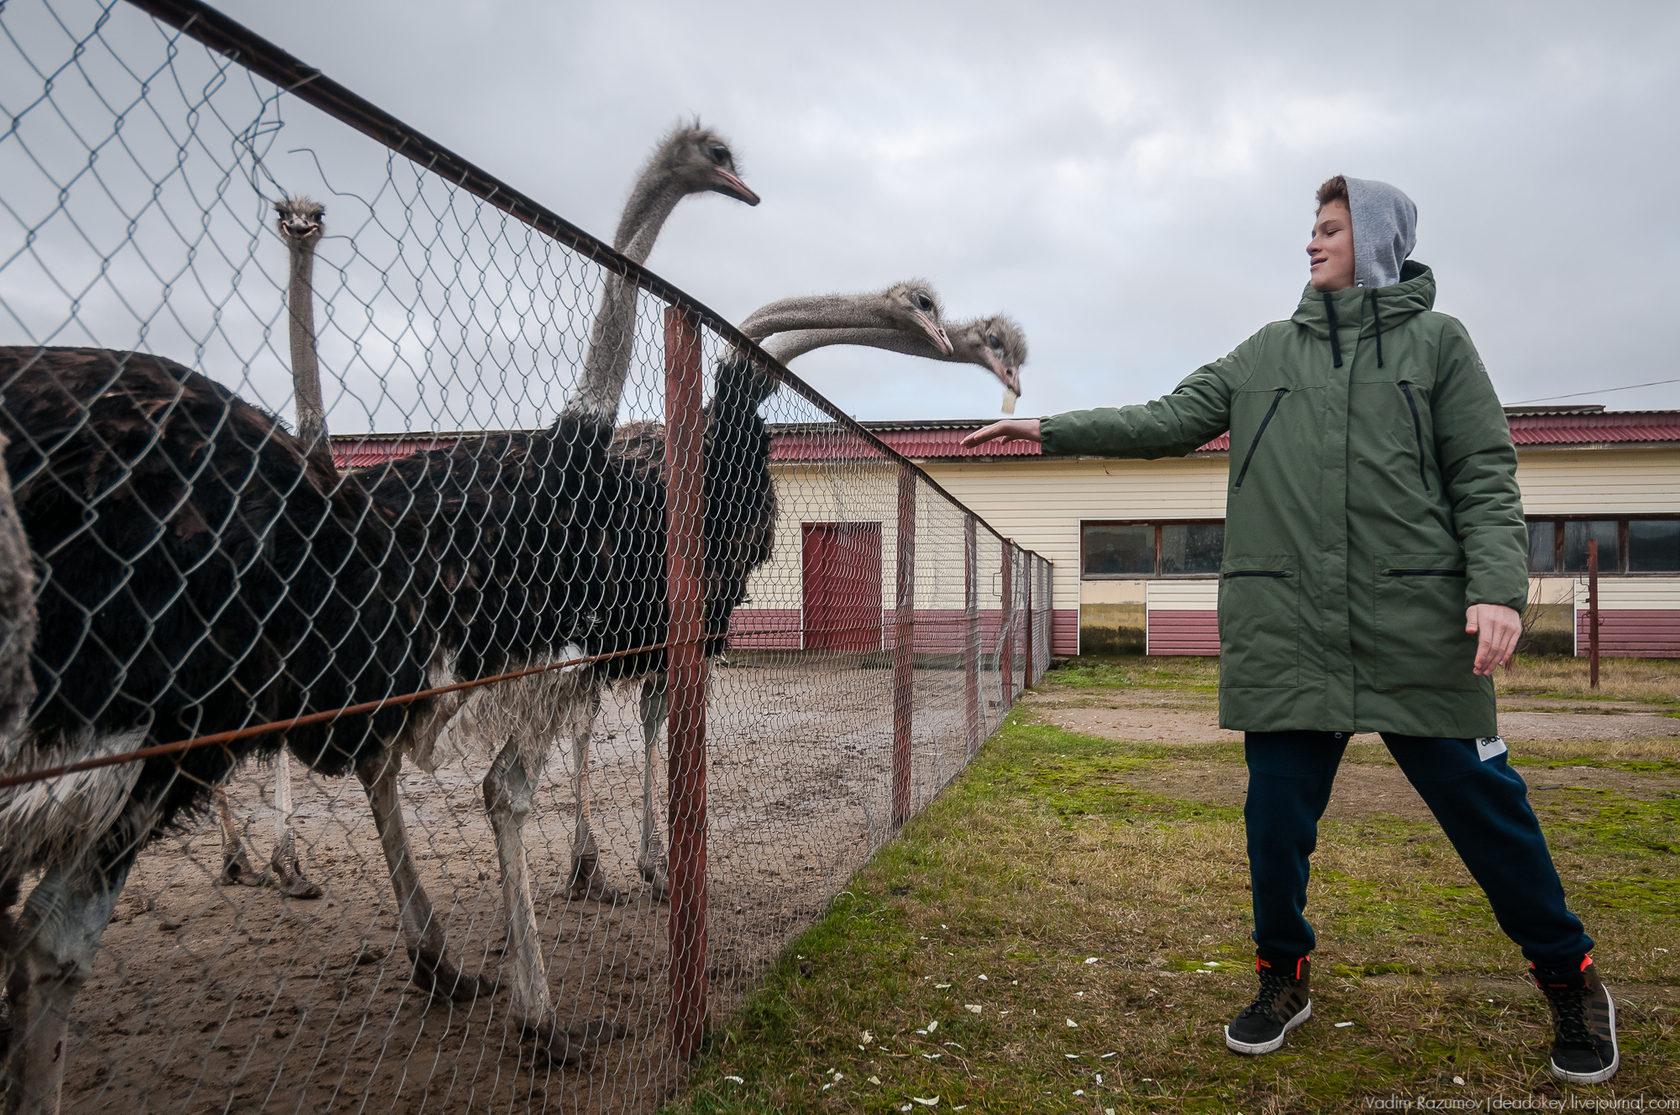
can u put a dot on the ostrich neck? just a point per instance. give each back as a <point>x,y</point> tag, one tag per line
<point>306,370</point>
<point>800,341</point>
<point>607,363</point>
<point>819,311</point>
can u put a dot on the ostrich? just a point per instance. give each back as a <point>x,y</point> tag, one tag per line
<point>222,577</point>
<point>516,530</point>
<point>17,686</point>
<point>740,518</point>
<point>190,555</point>
<point>301,224</point>
<point>995,343</point>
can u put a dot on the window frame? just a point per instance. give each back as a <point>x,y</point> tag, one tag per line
<point>1621,522</point>
<point>1157,575</point>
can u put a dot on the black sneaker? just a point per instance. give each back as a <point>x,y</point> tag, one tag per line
<point>1281,1005</point>
<point>1583,1024</point>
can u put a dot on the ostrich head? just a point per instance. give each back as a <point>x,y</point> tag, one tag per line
<point>697,158</point>
<point>300,221</point>
<point>916,305</point>
<point>995,343</point>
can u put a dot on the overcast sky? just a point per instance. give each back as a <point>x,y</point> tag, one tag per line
<point>1132,182</point>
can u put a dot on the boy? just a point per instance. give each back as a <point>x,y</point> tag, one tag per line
<point>1374,573</point>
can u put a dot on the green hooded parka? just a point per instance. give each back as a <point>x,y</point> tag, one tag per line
<point>1372,498</point>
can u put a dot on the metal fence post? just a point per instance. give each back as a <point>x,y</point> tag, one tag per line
<point>904,646</point>
<point>1007,667</point>
<point>685,572</point>
<point>971,631</point>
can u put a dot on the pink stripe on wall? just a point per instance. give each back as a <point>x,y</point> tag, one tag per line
<point>1631,633</point>
<point>764,629</point>
<point>1064,631</point>
<point>1183,632</point>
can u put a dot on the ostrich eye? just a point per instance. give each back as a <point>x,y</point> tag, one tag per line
<point>992,339</point>
<point>720,155</point>
<point>924,303</point>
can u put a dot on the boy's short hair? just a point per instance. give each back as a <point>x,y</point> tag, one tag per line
<point>1334,189</point>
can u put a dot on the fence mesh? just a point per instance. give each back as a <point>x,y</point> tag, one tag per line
<point>528,893</point>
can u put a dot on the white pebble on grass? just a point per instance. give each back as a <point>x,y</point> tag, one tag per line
<point>1072,1025</point>
<point>1343,1025</point>
<point>1092,959</point>
<point>973,1008</point>
<point>735,1080</point>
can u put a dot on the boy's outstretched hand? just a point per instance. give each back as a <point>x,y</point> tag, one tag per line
<point>1496,628</point>
<point>1010,429</point>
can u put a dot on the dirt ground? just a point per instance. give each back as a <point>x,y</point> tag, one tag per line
<point>211,998</point>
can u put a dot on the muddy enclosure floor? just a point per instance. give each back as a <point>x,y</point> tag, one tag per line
<point>209,997</point>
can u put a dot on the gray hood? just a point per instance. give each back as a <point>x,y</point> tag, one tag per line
<point>1384,231</point>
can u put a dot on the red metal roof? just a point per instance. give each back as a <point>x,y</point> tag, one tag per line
<point>941,439</point>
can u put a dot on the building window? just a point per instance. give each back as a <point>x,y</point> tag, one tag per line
<point>1124,550</point>
<point>1653,545</point>
<point>1624,545</point>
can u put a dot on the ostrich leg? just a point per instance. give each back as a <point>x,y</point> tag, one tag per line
<point>507,797</point>
<point>288,872</point>
<point>651,859</point>
<point>59,927</point>
<point>236,865</point>
<point>587,879</point>
<point>424,935</point>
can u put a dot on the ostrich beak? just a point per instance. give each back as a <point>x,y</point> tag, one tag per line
<point>735,188</point>
<point>1007,374</point>
<point>297,228</point>
<point>936,333</point>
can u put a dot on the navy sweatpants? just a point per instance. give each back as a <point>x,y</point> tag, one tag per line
<point>1482,805</point>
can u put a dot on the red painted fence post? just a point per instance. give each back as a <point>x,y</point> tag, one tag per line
<point>685,519</point>
<point>904,646</point>
<point>1007,666</point>
<point>1032,635</point>
<point>1592,609</point>
<point>971,631</point>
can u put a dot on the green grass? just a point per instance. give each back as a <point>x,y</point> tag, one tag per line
<point>1060,879</point>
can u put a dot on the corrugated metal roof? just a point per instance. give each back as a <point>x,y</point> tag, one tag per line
<point>941,439</point>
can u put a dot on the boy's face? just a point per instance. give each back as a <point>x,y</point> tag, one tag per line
<point>1331,248</point>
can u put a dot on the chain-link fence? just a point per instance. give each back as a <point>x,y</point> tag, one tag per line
<point>599,671</point>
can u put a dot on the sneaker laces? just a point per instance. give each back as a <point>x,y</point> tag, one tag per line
<point>1272,984</point>
<point>1569,1013</point>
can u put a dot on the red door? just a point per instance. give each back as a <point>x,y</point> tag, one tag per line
<point>841,578</point>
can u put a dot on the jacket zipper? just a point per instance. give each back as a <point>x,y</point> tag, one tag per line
<point>1424,573</point>
<point>1258,434</point>
<point>1417,432</point>
<point>1255,573</point>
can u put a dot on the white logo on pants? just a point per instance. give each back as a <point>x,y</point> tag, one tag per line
<point>1489,746</point>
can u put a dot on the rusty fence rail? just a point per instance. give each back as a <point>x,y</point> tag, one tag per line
<point>462,660</point>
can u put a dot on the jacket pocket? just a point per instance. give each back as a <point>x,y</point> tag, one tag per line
<point>1417,430</point>
<point>1248,458</point>
<point>1259,622</point>
<point>1420,624</point>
